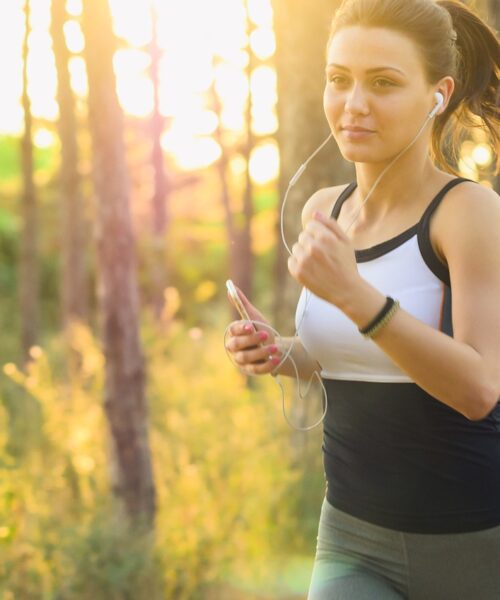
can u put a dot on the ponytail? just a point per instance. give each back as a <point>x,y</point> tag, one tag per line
<point>475,101</point>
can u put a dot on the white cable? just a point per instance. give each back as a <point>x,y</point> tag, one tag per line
<point>302,395</point>
<point>287,355</point>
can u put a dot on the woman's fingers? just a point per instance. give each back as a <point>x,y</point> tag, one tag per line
<point>263,368</point>
<point>243,337</point>
<point>255,352</point>
<point>261,354</point>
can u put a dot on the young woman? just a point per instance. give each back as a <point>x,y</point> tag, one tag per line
<point>402,315</point>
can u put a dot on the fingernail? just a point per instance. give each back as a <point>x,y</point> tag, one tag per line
<point>273,349</point>
<point>276,360</point>
<point>263,335</point>
<point>248,328</point>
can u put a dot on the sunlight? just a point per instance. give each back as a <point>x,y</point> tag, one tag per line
<point>196,153</point>
<point>74,7</point>
<point>232,118</point>
<point>264,163</point>
<point>261,12</point>
<point>42,77</point>
<point>196,54</point>
<point>43,138</point>
<point>263,43</point>
<point>78,74</point>
<point>134,87</point>
<point>131,21</point>
<point>264,122</point>
<point>264,98</point>
<point>468,168</point>
<point>482,155</point>
<point>11,39</point>
<point>231,84</point>
<point>74,37</point>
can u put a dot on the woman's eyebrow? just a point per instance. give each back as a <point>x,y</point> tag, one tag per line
<point>372,70</point>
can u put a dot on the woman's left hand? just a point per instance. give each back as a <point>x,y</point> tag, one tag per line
<point>324,262</point>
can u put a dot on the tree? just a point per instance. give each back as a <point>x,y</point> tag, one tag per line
<point>161,181</point>
<point>29,276</point>
<point>125,402</point>
<point>74,288</point>
<point>238,226</point>
<point>301,36</point>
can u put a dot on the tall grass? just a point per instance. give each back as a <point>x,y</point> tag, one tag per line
<point>222,465</point>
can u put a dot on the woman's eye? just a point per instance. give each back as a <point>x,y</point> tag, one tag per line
<point>382,83</point>
<point>337,79</point>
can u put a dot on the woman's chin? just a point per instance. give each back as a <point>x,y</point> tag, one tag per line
<point>356,154</point>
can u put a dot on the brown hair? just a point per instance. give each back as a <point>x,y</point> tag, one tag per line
<point>453,41</point>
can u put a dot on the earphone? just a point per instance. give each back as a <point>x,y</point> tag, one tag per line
<point>439,98</point>
<point>439,103</point>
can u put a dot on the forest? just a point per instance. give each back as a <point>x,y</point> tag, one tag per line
<point>145,150</point>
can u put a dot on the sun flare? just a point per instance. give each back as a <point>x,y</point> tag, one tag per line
<point>201,59</point>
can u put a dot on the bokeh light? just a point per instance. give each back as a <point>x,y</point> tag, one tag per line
<point>198,58</point>
<point>264,163</point>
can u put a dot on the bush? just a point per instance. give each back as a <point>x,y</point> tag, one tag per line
<point>221,463</point>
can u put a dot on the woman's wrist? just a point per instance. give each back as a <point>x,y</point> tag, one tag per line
<point>363,303</point>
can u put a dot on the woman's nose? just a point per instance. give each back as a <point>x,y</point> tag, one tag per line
<point>356,102</point>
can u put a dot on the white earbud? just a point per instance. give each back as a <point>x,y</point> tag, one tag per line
<point>439,103</point>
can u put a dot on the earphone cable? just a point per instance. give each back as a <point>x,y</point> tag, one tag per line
<point>307,293</point>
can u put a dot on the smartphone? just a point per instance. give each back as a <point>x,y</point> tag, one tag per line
<point>237,302</point>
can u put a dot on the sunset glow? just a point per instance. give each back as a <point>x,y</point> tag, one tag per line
<point>199,57</point>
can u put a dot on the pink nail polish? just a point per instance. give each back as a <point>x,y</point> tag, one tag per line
<point>247,328</point>
<point>276,360</point>
<point>263,335</point>
<point>273,349</point>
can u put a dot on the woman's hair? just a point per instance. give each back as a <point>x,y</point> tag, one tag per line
<point>453,41</point>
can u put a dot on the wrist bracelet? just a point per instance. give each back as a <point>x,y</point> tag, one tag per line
<point>383,317</point>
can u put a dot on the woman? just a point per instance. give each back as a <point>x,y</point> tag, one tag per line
<point>403,311</point>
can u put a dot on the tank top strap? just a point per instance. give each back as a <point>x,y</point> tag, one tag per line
<point>423,233</point>
<point>342,198</point>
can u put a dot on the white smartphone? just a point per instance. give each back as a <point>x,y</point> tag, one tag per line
<point>237,302</point>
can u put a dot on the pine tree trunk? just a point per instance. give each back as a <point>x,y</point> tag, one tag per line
<point>74,288</point>
<point>161,185</point>
<point>125,402</point>
<point>29,276</point>
<point>238,227</point>
<point>244,258</point>
<point>301,37</point>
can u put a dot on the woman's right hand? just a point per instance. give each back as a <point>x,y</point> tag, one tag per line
<point>253,348</point>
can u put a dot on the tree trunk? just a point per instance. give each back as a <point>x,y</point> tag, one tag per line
<point>238,227</point>
<point>300,63</point>
<point>244,259</point>
<point>161,183</point>
<point>74,288</point>
<point>125,403</point>
<point>29,276</point>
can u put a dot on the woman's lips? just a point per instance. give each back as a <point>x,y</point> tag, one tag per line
<point>356,133</point>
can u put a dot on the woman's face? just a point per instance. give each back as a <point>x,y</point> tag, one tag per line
<point>376,94</point>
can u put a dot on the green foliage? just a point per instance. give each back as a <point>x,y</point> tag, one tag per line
<point>10,150</point>
<point>221,462</point>
<point>9,157</point>
<point>108,560</point>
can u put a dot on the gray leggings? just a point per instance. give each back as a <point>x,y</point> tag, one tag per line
<point>356,560</point>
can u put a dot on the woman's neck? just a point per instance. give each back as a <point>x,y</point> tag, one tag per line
<point>400,184</point>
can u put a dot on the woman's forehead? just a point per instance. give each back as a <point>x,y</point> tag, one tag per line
<point>367,48</point>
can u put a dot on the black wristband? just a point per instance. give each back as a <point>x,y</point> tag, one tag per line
<point>389,303</point>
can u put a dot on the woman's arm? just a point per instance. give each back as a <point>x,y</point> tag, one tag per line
<point>306,366</point>
<point>464,371</point>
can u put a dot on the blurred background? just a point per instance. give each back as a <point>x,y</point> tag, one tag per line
<point>145,147</point>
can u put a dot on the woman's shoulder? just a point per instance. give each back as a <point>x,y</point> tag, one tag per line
<point>322,201</point>
<point>468,208</point>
